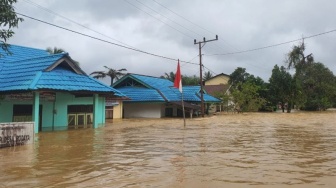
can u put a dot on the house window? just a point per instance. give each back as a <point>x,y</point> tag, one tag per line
<point>22,113</point>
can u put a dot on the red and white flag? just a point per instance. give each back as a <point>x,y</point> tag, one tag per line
<point>178,78</point>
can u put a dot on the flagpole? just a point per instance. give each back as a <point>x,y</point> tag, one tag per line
<point>178,84</point>
<point>184,120</point>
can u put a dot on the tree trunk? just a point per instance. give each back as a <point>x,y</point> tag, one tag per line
<point>112,81</point>
<point>282,107</point>
<point>289,107</point>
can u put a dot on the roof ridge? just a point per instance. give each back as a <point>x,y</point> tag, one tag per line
<point>103,84</point>
<point>25,47</point>
<point>147,76</point>
<point>39,57</point>
<point>35,80</point>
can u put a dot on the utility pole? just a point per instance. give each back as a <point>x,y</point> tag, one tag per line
<point>201,75</point>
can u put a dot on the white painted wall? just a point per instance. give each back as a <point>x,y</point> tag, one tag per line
<point>142,110</point>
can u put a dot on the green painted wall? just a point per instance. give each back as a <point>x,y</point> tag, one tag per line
<point>55,113</point>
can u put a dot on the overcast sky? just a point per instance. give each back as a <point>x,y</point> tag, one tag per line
<point>168,28</point>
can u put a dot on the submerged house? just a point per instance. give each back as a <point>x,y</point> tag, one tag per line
<point>51,90</point>
<point>153,97</point>
<point>218,85</point>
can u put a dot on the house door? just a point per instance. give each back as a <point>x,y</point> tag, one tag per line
<point>109,112</point>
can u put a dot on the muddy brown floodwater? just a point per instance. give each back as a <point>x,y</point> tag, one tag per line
<point>235,150</point>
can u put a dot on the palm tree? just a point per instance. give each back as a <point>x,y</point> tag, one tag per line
<point>55,50</point>
<point>112,73</point>
<point>169,76</point>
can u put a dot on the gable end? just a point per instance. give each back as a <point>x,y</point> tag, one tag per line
<point>66,62</point>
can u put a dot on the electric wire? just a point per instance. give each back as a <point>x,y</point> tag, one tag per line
<point>102,40</point>
<point>273,45</point>
<point>74,22</point>
<point>169,18</point>
<point>226,43</point>
<point>158,19</point>
<point>164,21</point>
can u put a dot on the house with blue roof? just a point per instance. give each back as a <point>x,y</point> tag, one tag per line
<point>153,97</point>
<point>51,90</point>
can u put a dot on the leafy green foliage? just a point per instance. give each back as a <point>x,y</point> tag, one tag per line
<point>297,59</point>
<point>207,75</point>
<point>247,98</point>
<point>319,86</point>
<point>248,92</point>
<point>281,88</point>
<point>238,76</point>
<point>313,85</point>
<point>8,21</point>
<point>186,80</point>
<point>190,80</point>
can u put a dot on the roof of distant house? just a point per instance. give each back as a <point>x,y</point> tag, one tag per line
<point>214,89</point>
<point>141,88</point>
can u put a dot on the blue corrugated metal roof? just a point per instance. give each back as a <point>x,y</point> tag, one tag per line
<point>18,75</point>
<point>20,53</point>
<point>193,94</point>
<point>141,94</point>
<point>160,87</point>
<point>47,72</point>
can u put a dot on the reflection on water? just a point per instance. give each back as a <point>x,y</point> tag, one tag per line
<point>255,150</point>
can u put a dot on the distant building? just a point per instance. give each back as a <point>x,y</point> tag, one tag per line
<point>214,86</point>
<point>51,90</point>
<point>220,79</point>
<point>152,97</point>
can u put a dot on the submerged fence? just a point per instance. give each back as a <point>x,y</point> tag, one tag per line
<point>16,133</point>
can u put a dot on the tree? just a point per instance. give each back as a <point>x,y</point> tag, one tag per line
<point>313,83</point>
<point>319,86</point>
<point>246,97</point>
<point>186,80</point>
<point>112,73</point>
<point>238,76</point>
<point>190,80</point>
<point>248,92</point>
<point>55,50</point>
<point>169,76</point>
<point>8,21</point>
<point>281,88</point>
<point>207,75</point>
<point>297,59</point>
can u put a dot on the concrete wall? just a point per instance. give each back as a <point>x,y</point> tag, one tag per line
<point>54,114</point>
<point>221,79</point>
<point>143,110</point>
<point>117,110</point>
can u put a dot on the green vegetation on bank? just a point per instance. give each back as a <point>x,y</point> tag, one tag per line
<point>311,87</point>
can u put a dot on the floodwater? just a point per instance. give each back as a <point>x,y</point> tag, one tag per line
<point>232,150</point>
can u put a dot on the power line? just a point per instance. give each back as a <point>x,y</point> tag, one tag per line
<point>72,21</point>
<point>163,21</point>
<point>102,40</point>
<point>79,24</point>
<point>193,23</point>
<point>274,45</point>
<point>158,19</point>
<point>168,18</point>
